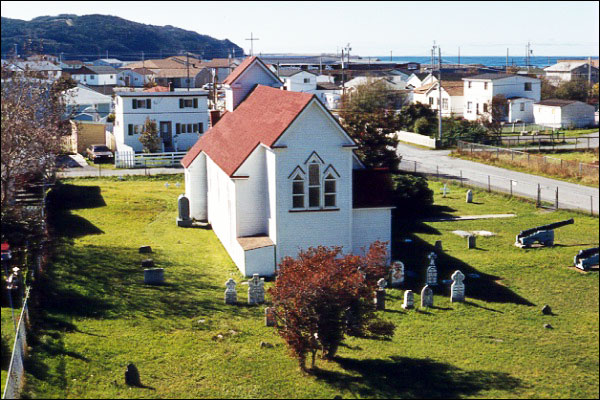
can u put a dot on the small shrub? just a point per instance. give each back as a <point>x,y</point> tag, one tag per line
<point>423,126</point>
<point>321,296</point>
<point>411,194</point>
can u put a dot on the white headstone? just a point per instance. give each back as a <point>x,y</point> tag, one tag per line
<point>397,274</point>
<point>230,292</point>
<point>426,297</point>
<point>445,190</point>
<point>432,257</point>
<point>409,300</point>
<point>382,283</point>
<point>432,275</point>
<point>457,288</point>
<point>256,290</point>
<point>469,196</point>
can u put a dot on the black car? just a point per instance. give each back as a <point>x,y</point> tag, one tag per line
<point>99,152</point>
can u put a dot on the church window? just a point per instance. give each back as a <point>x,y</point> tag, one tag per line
<point>330,191</point>
<point>298,192</point>
<point>314,185</point>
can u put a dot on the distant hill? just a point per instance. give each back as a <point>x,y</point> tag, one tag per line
<point>88,37</point>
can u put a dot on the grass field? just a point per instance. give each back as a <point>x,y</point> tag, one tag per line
<point>98,315</point>
<point>569,172</point>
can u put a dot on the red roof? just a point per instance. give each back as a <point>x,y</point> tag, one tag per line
<point>157,89</point>
<point>261,118</point>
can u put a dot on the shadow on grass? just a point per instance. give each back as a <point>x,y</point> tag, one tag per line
<point>414,256</point>
<point>401,377</point>
<point>63,198</point>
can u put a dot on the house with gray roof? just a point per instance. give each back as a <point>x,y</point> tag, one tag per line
<point>565,71</point>
<point>95,75</point>
<point>557,113</point>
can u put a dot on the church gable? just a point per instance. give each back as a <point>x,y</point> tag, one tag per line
<point>315,123</point>
<point>252,71</point>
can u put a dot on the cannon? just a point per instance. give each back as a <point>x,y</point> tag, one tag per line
<point>586,258</point>
<point>543,235</point>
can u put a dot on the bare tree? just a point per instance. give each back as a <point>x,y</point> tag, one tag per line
<point>33,124</point>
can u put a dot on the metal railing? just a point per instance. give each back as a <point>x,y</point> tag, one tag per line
<point>542,194</point>
<point>148,160</point>
<point>16,370</point>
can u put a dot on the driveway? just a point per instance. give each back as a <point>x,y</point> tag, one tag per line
<point>570,195</point>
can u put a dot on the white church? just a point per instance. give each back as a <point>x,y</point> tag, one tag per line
<point>277,174</point>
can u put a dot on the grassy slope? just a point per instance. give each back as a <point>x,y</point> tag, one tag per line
<point>100,316</point>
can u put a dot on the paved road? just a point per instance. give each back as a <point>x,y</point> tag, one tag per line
<point>570,195</point>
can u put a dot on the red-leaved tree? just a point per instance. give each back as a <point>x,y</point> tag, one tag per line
<point>322,295</point>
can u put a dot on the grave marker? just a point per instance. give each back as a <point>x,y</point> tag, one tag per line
<point>256,290</point>
<point>426,297</point>
<point>458,287</point>
<point>469,196</point>
<point>230,292</point>
<point>409,300</point>
<point>397,274</point>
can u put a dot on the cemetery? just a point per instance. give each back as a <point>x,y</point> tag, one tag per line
<point>469,321</point>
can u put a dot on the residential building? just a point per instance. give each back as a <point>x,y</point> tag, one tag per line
<point>93,75</point>
<point>44,69</point>
<point>181,117</point>
<point>136,77</point>
<point>278,173</point>
<point>555,113</point>
<point>452,97</point>
<point>416,79</point>
<point>85,104</point>
<point>222,67</point>
<point>571,70</point>
<point>111,62</point>
<point>479,90</point>
<point>68,65</point>
<point>297,80</point>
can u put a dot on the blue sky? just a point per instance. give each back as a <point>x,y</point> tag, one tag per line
<point>371,28</point>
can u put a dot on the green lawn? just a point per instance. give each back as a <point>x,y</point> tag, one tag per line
<point>99,316</point>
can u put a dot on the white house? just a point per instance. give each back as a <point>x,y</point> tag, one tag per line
<point>297,80</point>
<point>416,79</point>
<point>479,90</point>
<point>277,174</point>
<point>44,69</point>
<point>520,109</point>
<point>452,97</point>
<point>555,113</point>
<point>136,77</point>
<point>181,117</point>
<point>565,71</point>
<point>111,62</point>
<point>93,75</point>
<point>86,104</point>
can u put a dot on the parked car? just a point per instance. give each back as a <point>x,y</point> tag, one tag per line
<point>99,152</point>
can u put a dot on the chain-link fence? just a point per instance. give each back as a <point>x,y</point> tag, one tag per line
<point>542,193</point>
<point>16,371</point>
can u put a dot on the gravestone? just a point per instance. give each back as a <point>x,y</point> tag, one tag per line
<point>149,263</point>
<point>426,297</point>
<point>469,196</point>
<point>270,316</point>
<point>132,376</point>
<point>230,292</point>
<point>432,275</point>
<point>256,290</point>
<point>382,283</point>
<point>397,274</point>
<point>409,300</point>
<point>154,276</point>
<point>183,204</point>
<point>167,185</point>
<point>432,257</point>
<point>145,249</point>
<point>457,289</point>
<point>380,299</point>
<point>445,190</point>
<point>471,242</point>
<point>438,246</point>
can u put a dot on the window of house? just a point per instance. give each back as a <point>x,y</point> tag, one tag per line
<point>445,104</point>
<point>528,86</point>
<point>141,103</point>
<point>477,108</point>
<point>330,191</point>
<point>298,191</point>
<point>469,84</point>
<point>133,129</point>
<point>306,80</point>
<point>485,85</point>
<point>189,128</point>
<point>522,107</point>
<point>431,101</point>
<point>485,107</point>
<point>188,103</point>
<point>469,106</point>
<point>314,185</point>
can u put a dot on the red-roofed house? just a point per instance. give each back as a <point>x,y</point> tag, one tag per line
<point>275,175</point>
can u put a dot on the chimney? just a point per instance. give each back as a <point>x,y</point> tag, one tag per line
<point>215,116</point>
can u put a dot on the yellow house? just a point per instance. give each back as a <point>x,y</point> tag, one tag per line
<point>86,133</point>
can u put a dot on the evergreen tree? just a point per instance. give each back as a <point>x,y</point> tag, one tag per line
<point>149,138</point>
<point>366,116</point>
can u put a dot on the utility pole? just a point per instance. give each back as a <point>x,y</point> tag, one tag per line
<point>507,59</point>
<point>589,70</point>
<point>187,65</point>
<point>252,40</point>
<point>144,68</point>
<point>458,55</point>
<point>343,77</point>
<point>440,90</point>
<point>390,56</point>
<point>107,54</point>
<point>348,48</point>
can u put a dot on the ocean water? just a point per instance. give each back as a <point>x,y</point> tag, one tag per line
<point>537,61</point>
